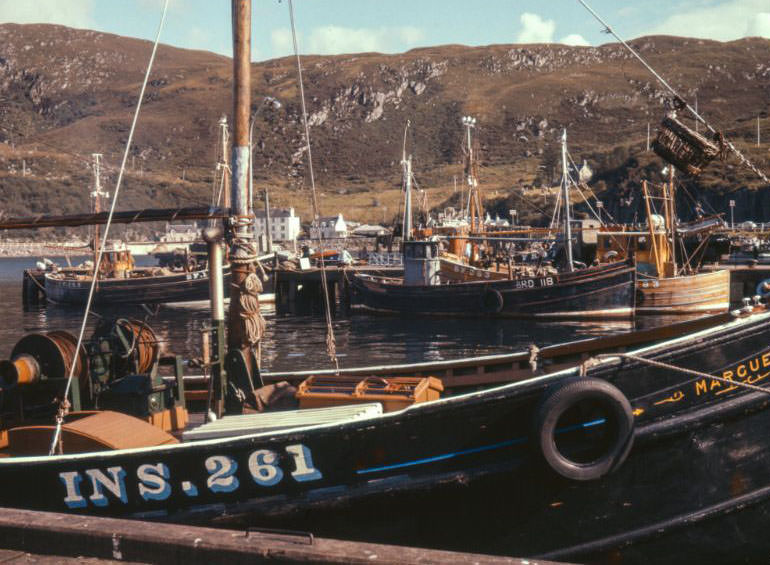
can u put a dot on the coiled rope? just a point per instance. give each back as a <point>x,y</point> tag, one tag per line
<point>64,404</point>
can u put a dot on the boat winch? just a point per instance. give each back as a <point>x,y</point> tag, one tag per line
<point>118,369</point>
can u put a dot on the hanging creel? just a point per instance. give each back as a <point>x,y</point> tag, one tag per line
<point>687,150</point>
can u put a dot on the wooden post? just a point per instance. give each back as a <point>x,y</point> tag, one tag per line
<point>242,365</point>
<point>658,266</point>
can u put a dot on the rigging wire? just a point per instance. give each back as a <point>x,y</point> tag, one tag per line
<point>331,346</point>
<point>662,81</point>
<point>97,264</point>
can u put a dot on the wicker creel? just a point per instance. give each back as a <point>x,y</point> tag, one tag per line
<point>688,150</point>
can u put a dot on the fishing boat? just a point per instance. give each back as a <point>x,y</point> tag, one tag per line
<point>664,286</point>
<point>604,291</point>
<point>120,282</point>
<point>630,446</point>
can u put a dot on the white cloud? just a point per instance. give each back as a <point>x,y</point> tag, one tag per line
<point>760,26</point>
<point>574,39</point>
<point>280,39</point>
<point>535,29</point>
<point>725,21</point>
<point>333,40</point>
<point>73,13</point>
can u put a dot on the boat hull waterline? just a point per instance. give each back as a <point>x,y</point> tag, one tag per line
<point>606,291</point>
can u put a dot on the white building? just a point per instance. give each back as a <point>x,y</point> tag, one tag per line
<point>367,230</point>
<point>284,225</point>
<point>180,233</point>
<point>331,227</point>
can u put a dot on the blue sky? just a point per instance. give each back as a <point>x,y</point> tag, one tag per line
<point>349,26</point>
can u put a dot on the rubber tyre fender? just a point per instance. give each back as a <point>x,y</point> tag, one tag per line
<point>491,301</point>
<point>563,397</point>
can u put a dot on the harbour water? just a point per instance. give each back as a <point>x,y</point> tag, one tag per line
<point>299,342</point>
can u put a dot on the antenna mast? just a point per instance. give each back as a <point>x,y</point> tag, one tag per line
<point>565,197</point>
<point>96,196</point>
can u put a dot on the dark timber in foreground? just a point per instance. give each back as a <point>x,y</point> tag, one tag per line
<point>124,217</point>
<point>148,542</point>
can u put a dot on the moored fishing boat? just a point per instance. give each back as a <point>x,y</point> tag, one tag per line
<point>629,446</point>
<point>121,283</point>
<point>605,291</point>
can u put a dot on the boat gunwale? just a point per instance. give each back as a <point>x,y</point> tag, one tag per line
<point>493,393</point>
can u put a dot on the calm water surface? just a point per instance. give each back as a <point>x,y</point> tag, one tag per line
<point>296,343</point>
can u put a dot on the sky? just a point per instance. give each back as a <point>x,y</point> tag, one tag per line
<point>393,26</point>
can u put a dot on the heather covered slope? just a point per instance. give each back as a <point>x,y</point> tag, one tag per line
<point>67,93</point>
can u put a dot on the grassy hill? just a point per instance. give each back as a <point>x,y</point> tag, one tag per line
<point>68,93</point>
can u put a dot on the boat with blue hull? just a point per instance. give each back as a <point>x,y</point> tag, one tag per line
<point>604,460</point>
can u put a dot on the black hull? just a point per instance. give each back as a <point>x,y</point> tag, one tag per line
<point>180,287</point>
<point>463,472</point>
<point>604,292</point>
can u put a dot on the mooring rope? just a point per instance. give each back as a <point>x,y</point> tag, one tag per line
<point>64,403</point>
<point>331,345</point>
<point>662,81</point>
<point>593,361</point>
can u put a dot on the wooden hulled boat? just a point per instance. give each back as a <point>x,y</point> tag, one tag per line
<point>684,294</point>
<point>646,452</point>
<point>663,286</point>
<point>121,283</point>
<point>605,291</point>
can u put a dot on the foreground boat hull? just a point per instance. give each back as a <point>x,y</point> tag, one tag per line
<point>465,472</point>
<point>596,292</point>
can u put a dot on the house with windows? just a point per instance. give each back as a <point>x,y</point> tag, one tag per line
<point>330,227</point>
<point>284,224</point>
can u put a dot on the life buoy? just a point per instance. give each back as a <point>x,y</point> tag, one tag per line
<point>491,301</point>
<point>617,424</point>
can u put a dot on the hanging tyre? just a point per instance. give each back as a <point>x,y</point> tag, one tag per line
<point>491,301</point>
<point>584,429</point>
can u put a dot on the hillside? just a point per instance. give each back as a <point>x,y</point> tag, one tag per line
<point>68,93</point>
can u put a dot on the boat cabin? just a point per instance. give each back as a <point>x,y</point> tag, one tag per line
<point>421,263</point>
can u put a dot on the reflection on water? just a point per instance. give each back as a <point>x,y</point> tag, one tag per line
<point>295,343</point>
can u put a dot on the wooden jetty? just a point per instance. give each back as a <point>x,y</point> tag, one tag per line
<point>301,292</point>
<point>113,540</point>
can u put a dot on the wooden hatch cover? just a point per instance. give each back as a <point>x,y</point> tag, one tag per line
<point>97,431</point>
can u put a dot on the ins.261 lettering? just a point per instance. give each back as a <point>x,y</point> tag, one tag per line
<point>100,487</point>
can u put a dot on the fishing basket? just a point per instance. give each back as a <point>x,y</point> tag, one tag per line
<point>688,150</point>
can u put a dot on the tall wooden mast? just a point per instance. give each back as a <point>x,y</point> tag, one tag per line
<point>245,323</point>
